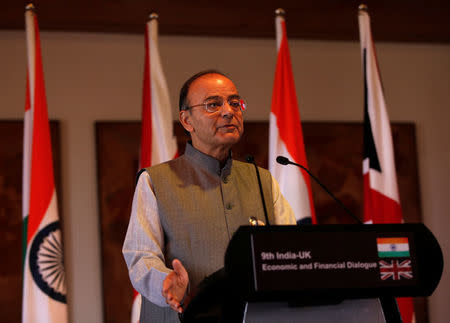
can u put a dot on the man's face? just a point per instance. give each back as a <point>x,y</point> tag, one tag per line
<point>216,132</point>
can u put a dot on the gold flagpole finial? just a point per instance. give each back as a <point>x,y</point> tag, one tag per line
<point>153,15</point>
<point>280,13</point>
<point>363,7</point>
<point>30,6</point>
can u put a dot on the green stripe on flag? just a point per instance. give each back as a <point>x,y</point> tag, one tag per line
<point>385,254</point>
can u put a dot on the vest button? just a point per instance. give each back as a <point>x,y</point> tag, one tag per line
<point>229,206</point>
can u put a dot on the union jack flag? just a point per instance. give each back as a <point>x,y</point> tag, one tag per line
<point>395,269</point>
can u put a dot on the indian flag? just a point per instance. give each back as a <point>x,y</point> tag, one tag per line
<point>286,134</point>
<point>44,283</point>
<point>158,144</point>
<point>392,247</point>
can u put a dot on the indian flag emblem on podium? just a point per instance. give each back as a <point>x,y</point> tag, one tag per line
<point>392,247</point>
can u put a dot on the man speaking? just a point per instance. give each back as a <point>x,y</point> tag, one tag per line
<point>185,211</point>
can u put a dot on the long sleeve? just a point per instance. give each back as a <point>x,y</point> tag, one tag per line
<point>282,210</point>
<point>144,244</point>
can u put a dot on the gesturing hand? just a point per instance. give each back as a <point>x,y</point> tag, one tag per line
<point>175,285</point>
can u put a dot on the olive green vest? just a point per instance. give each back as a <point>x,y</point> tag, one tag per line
<point>200,206</point>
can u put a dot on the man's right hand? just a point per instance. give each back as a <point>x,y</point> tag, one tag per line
<point>175,285</point>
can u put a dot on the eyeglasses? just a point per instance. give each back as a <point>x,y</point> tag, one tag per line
<point>214,104</point>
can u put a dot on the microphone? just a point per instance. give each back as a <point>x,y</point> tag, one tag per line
<point>285,161</point>
<point>250,159</point>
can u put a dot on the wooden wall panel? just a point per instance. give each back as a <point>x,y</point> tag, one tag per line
<point>334,154</point>
<point>11,147</point>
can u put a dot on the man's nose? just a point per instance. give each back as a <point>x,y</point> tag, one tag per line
<point>227,110</point>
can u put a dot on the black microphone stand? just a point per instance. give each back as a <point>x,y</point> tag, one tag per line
<point>250,159</point>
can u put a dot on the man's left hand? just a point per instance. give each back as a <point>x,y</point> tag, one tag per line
<point>175,285</point>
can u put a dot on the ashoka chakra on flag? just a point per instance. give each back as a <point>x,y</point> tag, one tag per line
<point>47,262</point>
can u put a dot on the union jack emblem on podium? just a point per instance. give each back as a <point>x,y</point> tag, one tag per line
<point>395,269</point>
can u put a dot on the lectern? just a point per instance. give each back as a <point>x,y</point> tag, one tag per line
<point>332,273</point>
<point>321,273</point>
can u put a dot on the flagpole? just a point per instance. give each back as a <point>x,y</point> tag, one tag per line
<point>280,14</point>
<point>30,12</point>
<point>285,131</point>
<point>163,142</point>
<point>28,121</point>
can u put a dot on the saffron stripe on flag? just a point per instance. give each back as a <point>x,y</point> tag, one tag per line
<point>392,240</point>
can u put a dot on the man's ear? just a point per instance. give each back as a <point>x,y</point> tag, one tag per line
<point>185,120</point>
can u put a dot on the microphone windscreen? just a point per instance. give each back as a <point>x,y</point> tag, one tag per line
<point>282,160</point>
<point>250,159</point>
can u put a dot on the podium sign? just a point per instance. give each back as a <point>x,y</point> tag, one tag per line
<point>334,261</point>
<point>312,260</point>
